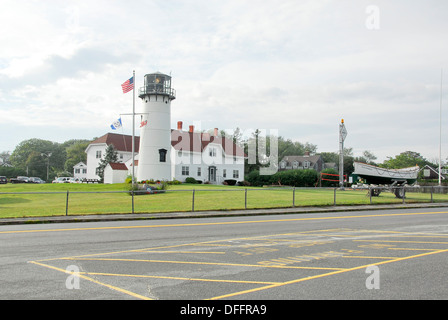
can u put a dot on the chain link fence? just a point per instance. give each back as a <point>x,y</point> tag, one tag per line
<point>200,199</point>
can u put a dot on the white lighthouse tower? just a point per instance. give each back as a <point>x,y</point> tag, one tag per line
<point>154,161</point>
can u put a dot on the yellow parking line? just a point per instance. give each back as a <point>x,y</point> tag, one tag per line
<point>94,281</point>
<point>178,278</point>
<point>412,249</point>
<point>322,275</point>
<point>367,257</point>
<point>227,223</point>
<point>174,251</point>
<point>403,241</point>
<point>204,243</point>
<point>202,263</point>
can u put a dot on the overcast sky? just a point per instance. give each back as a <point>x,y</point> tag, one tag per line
<point>296,66</point>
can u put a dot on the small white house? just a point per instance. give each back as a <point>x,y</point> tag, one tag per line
<point>80,171</point>
<point>115,173</point>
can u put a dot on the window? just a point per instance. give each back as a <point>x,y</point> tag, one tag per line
<point>77,170</point>
<point>84,171</point>
<point>199,172</point>
<point>185,170</point>
<point>162,155</point>
<point>236,174</point>
<point>224,173</point>
<point>212,152</point>
<point>98,154</point>
<point>295,164</point>
<point>307,164</point>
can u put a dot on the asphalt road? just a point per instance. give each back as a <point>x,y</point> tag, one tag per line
<point>387,254</point>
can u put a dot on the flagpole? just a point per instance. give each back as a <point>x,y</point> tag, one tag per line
<point>133,131</point>
<point>440,137</point>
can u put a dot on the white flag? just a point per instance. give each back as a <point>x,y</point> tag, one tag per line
<point>116,124</point>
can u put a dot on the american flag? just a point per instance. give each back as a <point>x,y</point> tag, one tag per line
<point>128,85</point>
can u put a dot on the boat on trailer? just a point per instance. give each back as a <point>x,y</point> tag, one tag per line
<point>378,178</point>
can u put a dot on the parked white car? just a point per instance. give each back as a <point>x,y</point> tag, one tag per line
<point>62,180</point>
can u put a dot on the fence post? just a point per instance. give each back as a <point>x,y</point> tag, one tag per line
<point>66,204</point>
<point>334,202</point>
<point>192,202</point>
<point>370,195</point>
<point>404,193</point>
<point>432,188</point>
<point>245,198</point>
<point>132,199</point>
<point>294,197</point>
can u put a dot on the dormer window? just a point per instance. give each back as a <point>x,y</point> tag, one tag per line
<point>295,164</point>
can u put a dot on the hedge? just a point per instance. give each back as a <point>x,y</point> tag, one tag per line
<point>293,178</point>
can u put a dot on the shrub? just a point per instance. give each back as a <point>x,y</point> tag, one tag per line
<point>293,178</point>
<point>190,180</point>
<point>230,182</point>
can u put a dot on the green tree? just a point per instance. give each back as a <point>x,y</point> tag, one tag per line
<point>4,156</point>
<point>110,156</point>
<point>76,152</point>
<point>33,155</point>
<point>334,157</point>
<point>404,160</point>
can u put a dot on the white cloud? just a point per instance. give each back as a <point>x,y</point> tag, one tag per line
<point>296,66</point>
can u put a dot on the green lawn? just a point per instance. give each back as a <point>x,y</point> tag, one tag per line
<point>25,200</point>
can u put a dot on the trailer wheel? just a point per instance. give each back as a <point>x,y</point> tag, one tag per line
<point>400,193</point>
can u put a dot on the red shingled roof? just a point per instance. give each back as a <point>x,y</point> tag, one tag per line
<point>118,166</point>
<point>197,142</point>
<point>180,140</point>
<point>121,142</point>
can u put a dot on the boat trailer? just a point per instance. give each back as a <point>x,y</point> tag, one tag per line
<point>380,179</point>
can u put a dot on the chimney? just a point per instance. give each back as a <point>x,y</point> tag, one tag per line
<point>307,153</point>
<point>191,129</point>
<point>179,125</point>
<point>216,132</point>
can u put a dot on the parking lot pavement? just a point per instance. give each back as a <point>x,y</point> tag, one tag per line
<point>334,263</point>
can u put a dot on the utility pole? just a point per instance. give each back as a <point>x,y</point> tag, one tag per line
<point>342,135</point>
<point>48,155</point>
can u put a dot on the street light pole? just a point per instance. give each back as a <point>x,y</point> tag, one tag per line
<point>342,135</point>
<point>48,155</point>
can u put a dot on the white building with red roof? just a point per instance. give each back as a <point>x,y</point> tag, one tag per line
<point>203,156</point>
